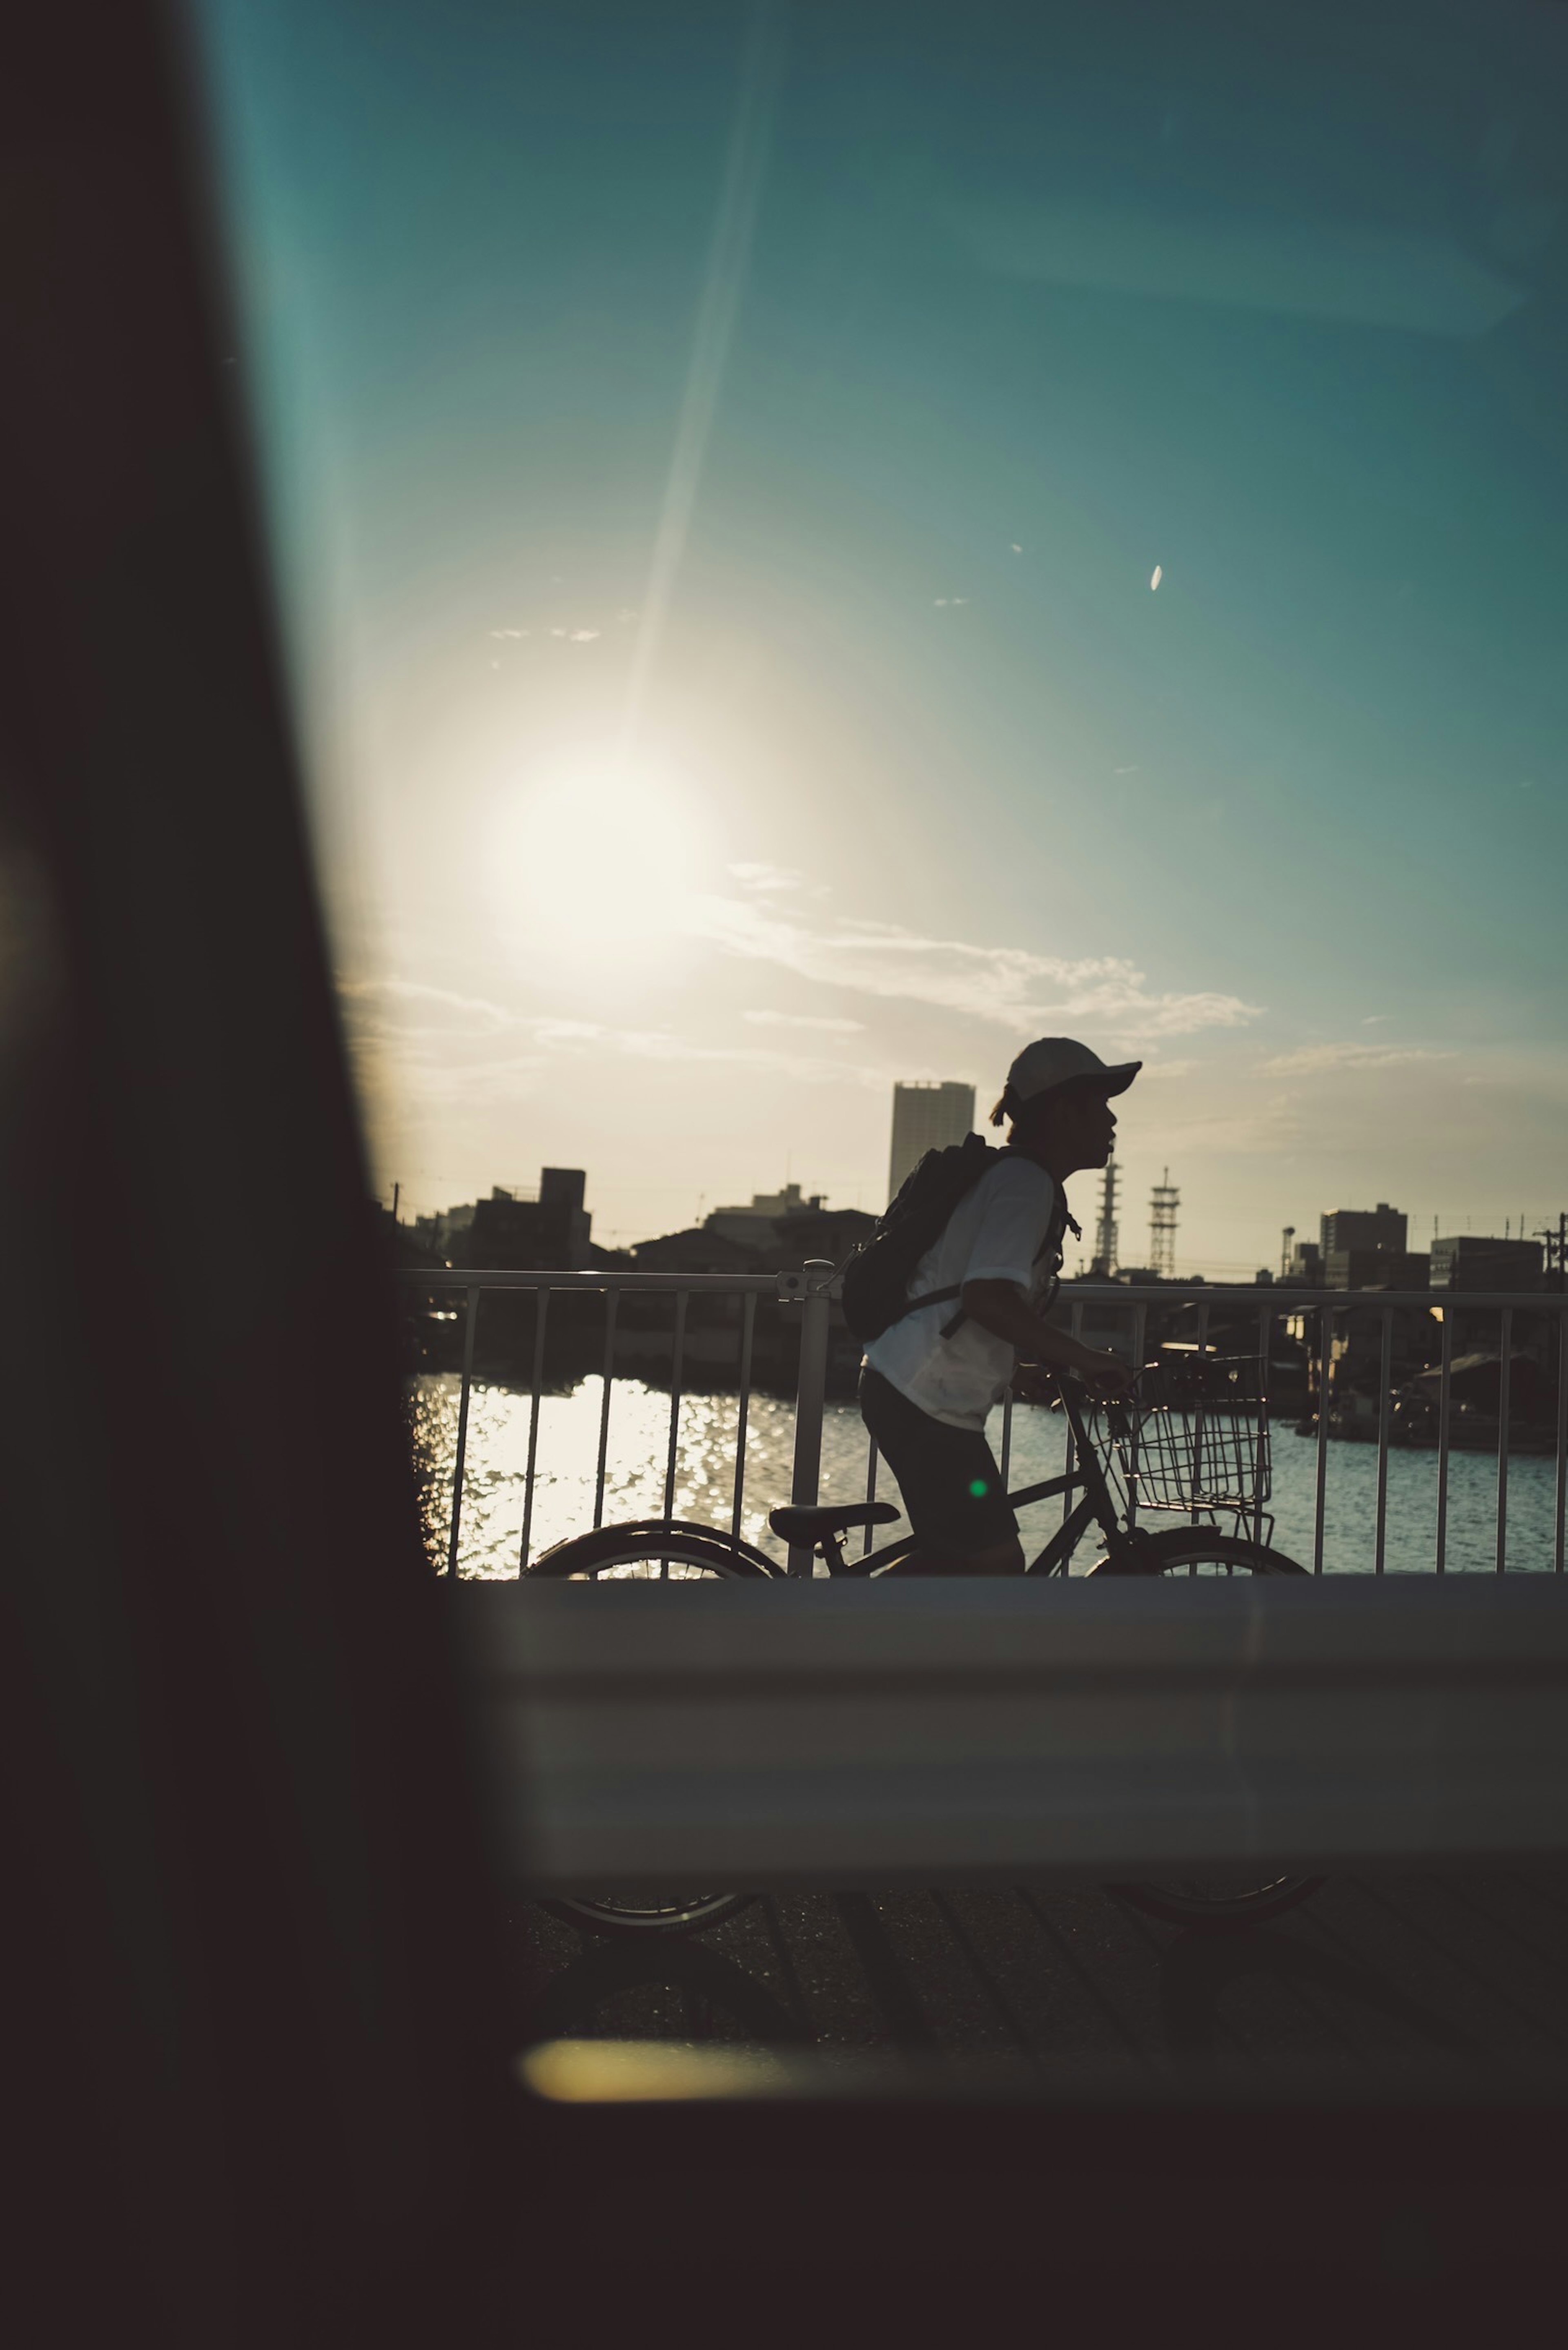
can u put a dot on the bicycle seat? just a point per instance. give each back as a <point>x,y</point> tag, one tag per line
<point>808,1527</point>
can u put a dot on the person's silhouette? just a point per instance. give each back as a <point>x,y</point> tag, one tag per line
<point>929,1382</point>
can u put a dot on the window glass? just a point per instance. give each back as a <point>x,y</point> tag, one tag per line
<point>820,543</point>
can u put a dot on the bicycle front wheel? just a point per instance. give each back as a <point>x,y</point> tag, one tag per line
<point>1202,1550</point>
<point>1251,1893</point>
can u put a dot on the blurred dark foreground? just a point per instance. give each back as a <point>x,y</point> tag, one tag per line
<point>263,2012</point>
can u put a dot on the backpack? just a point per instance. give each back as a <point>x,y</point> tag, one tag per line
<point>877,1274</point>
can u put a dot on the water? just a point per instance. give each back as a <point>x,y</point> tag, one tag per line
<point>705,1469</point>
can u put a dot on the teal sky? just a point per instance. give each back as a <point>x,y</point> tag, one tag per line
<point>718,460</point>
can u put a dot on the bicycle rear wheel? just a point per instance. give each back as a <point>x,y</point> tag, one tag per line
<point>637,1916</point>
<point>652,1551</point>
<point>1248,1894</point>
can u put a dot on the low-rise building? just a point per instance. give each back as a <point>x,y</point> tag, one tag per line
<point>1476,1261</point>
<point>753,1227</point>
<point>1381,1227</point>
<point>703,1249</point>
<point>1375,1268</point>
<point>549,1232</point>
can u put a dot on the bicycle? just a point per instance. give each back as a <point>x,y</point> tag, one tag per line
<point>1192,1440</point>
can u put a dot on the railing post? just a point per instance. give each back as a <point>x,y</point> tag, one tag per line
<point>1444,1402</point>
<point>1385,1414</point>
<point>470,1327</point>
<point>1069,1451</point>
<point>1505,1367</point>
<point>811,1391</point>
<point>1559,1512</point>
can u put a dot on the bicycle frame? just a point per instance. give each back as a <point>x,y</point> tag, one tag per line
<point>1096,1507</point>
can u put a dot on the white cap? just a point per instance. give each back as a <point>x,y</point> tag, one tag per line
<point>1053,1061</point>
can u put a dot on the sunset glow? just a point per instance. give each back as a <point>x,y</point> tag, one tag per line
<point>719,461</point>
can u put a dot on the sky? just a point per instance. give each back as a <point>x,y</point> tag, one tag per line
<point>818,543</point>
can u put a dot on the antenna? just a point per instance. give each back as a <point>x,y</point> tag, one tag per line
<point>1106,1230</point>
<point>1162,1210</point>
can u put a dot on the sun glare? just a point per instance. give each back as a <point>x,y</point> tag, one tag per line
<point>598,856</point>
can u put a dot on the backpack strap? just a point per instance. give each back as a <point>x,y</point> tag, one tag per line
<point>1061,1221</point>
<point>930,1297</point>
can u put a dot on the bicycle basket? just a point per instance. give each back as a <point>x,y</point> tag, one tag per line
<point>1197,1435</point>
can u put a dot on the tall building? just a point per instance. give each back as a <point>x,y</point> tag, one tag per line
<point>928,1115</point>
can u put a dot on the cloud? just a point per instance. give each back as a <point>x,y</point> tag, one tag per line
<point>1311,1060</point>
<point>1373,1018</point>
<point>805,1020</point>
<point>1263,1129</point>
<point>940,602</point>
<point>508,632</point>
<point>582,636</point>
<point>1313,267</point>
<point>765,880</point>
<point>362,995</point>
<point>566,1032</point>
<point>1124,770</point>
<point>556,1039</point>
<point>1025,993</point>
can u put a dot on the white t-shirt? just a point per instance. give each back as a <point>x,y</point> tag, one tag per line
<point>996,1233</point>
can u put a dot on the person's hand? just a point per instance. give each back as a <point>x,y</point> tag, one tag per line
<point>1105,1375</point>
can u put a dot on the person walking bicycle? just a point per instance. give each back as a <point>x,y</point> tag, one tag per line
<point>970,1319</point>
<point>948,1298</point>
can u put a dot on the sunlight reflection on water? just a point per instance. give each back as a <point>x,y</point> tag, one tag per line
<point>567,1457</point>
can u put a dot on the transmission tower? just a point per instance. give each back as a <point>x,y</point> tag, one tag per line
<point>1556,1250</point>
<point>1106,1230</point>
<point>1162,1210</point>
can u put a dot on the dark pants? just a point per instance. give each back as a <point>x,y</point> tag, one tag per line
<point>953,1488</point>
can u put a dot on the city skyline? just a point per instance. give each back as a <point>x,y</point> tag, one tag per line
<point>1133,1210</point>
<point>805,568</point>
<point>1134,1251</point>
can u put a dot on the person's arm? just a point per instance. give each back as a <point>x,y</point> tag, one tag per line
<point>998,1307</point>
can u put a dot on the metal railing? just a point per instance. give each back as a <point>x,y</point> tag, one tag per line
<point>811,1291</point>
<point>808,1291</point>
